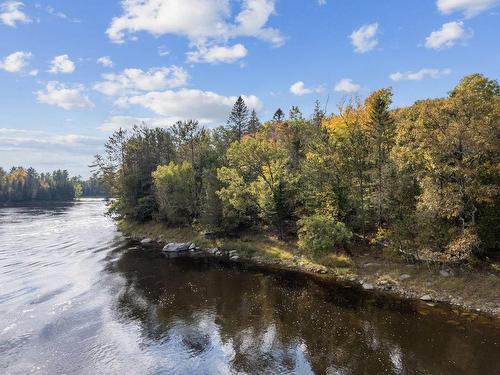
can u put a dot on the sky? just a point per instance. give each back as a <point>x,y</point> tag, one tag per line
<point>72,71</point>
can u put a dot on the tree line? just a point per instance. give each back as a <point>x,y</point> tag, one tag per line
<point>26,185</point>
<point>423,179</point>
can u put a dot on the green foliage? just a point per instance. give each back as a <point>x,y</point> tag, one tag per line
<point>321,234</point>
<point>423,178</point>
<point>175,192</point>
<point>256,182</point>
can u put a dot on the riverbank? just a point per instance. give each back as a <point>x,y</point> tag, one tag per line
<point>472,287</point>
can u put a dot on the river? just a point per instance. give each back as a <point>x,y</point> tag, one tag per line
<point>77,298</point>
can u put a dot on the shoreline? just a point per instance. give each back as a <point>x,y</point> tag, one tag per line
<point>417,284</point>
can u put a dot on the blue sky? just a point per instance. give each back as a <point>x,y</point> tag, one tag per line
<point>72,71</point>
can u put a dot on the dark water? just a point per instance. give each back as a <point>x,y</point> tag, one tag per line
<point>76,298</point>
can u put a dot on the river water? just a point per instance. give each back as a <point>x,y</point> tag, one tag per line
<point>78,298</point>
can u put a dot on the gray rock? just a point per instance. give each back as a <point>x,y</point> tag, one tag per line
<point>213,250</point>
<point>366,265</point>
<point>146,241</point>
<point>444,273</point>
<point>192,246</point>
<point>367,286</point>
<point>235,257</point>
<point>175,247</point>
<point>426,297</point>
<point>404,277</point>
<point>233,252</point>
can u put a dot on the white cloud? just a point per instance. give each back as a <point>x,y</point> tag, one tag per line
<point>299,89</point>
<point>105,61</point>
<point>321,2</point>
<point>128,122</point>
<point>163,51</point>
<point>37,139</point>
<point>198,20</point>
<point>217,54</point>
<point>50,10</point>
<point>16,62</point>
<point>48,151</point>
<point>469,8</point>
<point>61,64</point>
<point>205,106</point>
<point>132,81</point>
<point>365,39</point>
<point>419,75</point>
<point>346,85</point>
<point>65,97</point>
<point>11,13</point>
<point>446,37</point>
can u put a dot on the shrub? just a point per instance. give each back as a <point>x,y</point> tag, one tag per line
<point>320,234</point>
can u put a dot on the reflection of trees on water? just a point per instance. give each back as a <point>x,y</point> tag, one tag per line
<point>202,313</point>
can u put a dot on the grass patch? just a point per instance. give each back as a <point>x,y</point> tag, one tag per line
<point>336,261</point>
<point>258,245</point>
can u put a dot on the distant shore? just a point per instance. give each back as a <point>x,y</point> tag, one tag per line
<point>472,290</point>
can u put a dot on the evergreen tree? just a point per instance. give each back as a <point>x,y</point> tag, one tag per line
<point>318,114</point>
<point>253,123</point>
<point>381,130</point>
<point>278,115</point>
<point>238,119</point>
<point>295,114</point>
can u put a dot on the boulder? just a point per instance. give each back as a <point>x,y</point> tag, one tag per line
<point>404,277</point>
<point>366,265</point>
<point>146,241</point>
<point>367,286</point>
<point>192,246</point>
<point>175,247</point>
<point>426,297</point>
<point>213,251</point>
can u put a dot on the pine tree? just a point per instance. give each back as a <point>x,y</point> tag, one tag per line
<point>381,126</point>
<point>253,123</point>
<point>295,114</point>
<point>238,119</point>
<point>278,115</point>
<point>318,114</point>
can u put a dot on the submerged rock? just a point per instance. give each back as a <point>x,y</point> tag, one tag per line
<point>213,251</point>
<point>175,247</point>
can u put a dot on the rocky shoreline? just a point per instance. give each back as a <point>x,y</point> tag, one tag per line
<point>366,283</point>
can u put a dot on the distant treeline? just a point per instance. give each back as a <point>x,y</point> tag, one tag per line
<point>422,179</point>
<point>27,185</point>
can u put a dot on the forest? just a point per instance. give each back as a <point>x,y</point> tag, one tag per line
<point>21,185</point>
<point>422,180</point>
